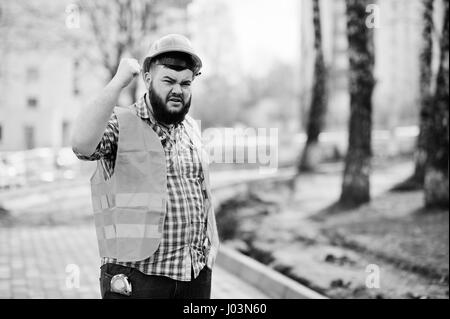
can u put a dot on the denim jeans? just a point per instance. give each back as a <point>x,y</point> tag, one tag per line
<point>155,287</point>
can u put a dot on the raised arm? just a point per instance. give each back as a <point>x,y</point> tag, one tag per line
<point>93,117</point>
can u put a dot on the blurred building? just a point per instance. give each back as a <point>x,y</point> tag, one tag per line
<point>398,45</point>
<point>38,101</point>
<point>38,85</point>
<point>397,48</point>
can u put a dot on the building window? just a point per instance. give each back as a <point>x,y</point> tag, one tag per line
<point>29,137</point>
<point>76,90</point>
<point>65,134</point>
<point>76,68</point>
<point>32,102</point>
<point>32,74</point>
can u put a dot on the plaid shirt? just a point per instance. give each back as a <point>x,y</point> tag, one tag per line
<point>183,242</point>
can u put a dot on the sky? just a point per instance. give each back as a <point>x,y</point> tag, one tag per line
<point>266,30</point>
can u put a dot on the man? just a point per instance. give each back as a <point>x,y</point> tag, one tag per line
<point>151,197</point>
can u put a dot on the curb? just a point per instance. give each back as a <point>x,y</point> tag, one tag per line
<point>269,281</point>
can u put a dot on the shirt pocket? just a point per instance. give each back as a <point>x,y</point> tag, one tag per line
<point>190,161</point>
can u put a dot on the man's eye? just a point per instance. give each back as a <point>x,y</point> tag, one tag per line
<point>186,84</point>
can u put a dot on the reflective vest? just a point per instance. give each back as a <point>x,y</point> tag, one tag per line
<point>130,206</point>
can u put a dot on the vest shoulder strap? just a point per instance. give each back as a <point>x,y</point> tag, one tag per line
<point>134,133</point>
<point>193,127</point>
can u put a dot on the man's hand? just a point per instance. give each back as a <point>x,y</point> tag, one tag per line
<point>127,70</point>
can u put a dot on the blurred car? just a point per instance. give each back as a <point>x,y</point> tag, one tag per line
<point>11,175</point>
<point>67,163</point>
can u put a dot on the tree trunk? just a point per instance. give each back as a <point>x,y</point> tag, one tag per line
<point>425,91</point>
<point>319,99</point>
<point>436,172</point>
<point>356,179</point>
<point>416,181</point>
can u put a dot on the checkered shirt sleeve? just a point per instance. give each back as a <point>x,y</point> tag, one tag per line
<point>106,150</point>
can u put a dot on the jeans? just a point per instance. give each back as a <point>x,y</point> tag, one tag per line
<point>155,287</point>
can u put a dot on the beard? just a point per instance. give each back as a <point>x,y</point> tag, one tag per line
<point>161,110</point>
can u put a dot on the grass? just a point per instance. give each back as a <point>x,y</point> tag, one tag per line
<point>396,228</point>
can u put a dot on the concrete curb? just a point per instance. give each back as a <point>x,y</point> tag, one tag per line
<point>267,280</point>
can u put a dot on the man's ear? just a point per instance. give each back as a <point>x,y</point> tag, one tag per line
<point>147,79</point>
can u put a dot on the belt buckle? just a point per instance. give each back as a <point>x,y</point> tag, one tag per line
<point>121,285</point>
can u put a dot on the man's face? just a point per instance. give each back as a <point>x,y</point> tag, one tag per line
<point>170,94</point>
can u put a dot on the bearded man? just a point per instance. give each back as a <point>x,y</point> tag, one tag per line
<point>151,197</point>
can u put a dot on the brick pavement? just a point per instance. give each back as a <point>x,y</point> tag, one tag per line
<point>37,262</point>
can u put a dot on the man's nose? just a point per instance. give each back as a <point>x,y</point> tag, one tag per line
<point>176,89</point>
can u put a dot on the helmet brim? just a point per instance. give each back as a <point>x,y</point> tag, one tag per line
<point>196,58</point>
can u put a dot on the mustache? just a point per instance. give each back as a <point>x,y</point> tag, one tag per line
<point>176,97</point>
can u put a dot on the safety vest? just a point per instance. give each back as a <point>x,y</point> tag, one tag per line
<point>130,206</point>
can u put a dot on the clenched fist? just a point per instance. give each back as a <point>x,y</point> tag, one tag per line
<point>127,70</point>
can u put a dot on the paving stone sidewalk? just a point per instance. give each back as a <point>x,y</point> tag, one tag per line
<point>43,262</point>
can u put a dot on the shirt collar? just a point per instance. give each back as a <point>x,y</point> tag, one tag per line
<point>143,110</point>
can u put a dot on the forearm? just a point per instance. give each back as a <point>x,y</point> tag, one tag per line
<point>93,117</point>
<point>92,120</point>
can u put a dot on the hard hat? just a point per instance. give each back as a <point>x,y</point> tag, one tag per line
<point>174,43</point>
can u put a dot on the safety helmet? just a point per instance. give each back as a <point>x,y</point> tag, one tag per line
<point>174,43</point>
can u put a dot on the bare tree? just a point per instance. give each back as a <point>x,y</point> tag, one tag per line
<point>319,98</point>
<point>356,179</point>
<point>33,25</point>
<point>119,28</point>
<point>437,141</point>
<point>124,27</point>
